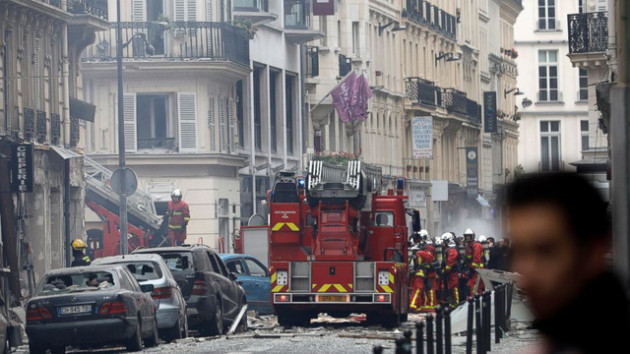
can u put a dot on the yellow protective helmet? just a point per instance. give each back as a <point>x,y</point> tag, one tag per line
<point>78,244</point>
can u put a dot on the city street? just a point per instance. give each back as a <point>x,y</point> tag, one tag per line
<point>324,335</point>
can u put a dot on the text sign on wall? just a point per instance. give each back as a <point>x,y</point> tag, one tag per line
<point>422,137</point>
<point>22,168</point>
<point>472,172</point>
<point>490,112</point>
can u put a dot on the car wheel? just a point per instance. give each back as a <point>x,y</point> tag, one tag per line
<point>153,340</point>
<point>214,327</point>
<point>58,350</point>
<point>34,348</point>
<point>134,343</point>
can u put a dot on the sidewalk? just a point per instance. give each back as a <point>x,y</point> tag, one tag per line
<point>521,341</point>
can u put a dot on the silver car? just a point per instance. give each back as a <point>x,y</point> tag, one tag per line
<point>171,306</point>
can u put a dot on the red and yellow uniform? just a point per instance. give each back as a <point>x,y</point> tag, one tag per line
<point>178,215</point>
<point>417,285</point>
<point>429,291</point>
<point>452,276</point>
<point>476,262</point>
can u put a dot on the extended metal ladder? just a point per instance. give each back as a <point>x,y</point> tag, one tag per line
<point>141,209</point>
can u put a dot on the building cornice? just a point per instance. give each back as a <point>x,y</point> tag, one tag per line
<point>207,159</point>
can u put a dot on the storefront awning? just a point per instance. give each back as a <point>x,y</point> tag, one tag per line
<point>483,202</point>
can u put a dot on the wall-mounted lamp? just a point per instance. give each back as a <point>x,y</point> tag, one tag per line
<point>517,93</point>
<point>526,102</point>
<point>447,56</point>
<point>397,27</point>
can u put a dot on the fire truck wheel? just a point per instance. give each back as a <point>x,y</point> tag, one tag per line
<point>285,319</point>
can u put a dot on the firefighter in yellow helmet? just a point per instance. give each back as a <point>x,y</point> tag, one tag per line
<point>78,254</point>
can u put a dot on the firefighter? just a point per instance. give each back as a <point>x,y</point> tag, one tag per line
<point>431,280</point>
<point>78,253</point>
<point>177,216</point>
<point>417,286</point>
<point>451,270</point>
<point>476,262</point>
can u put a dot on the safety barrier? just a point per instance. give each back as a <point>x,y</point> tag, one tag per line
<point>436,331</point>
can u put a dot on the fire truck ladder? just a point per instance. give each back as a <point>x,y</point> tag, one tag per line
<point>141,210</point>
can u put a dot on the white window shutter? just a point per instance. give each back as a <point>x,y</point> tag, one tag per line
<point>232,116</point>
<point>222,124</point>
<point>129,121</point>
<point>139,11</point>
<point>191,10</point>
<point>180,10</point>
<point>212,123</point>
<point>187,108</point>
<point>209,10</point>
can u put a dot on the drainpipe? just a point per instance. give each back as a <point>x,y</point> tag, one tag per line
<point>303,99</point>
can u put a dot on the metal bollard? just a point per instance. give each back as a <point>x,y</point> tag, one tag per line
<point>502,310</point>
<point>487,320</point>
<point>478,326</point>
<point>469,325</point>
<point>407,341</point>
<point>497,317</point>
<point>447,331</point>
<point>430,334</point>
<point>439,342</point>
<point>399,346</point>
<point>420,338</point>
<point>377,349</point>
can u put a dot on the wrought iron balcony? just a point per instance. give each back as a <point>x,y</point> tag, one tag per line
<point>175,41</point>
<point>156,143</point>
<point>422,12</point>
<point>422,92</point>
<point>29,123</point>
<point>588,32</point>
<point>455,101</point>
<point>55,128</point>
<point>473,111</point>
<point>96,8</point>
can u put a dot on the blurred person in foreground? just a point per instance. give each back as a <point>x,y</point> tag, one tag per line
<point>560,234</point>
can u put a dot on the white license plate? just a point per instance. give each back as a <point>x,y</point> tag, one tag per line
<point>72,310</point>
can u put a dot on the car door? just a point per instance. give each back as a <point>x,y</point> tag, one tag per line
<point>244,279</point>
<point>261,281</point>
<point>144,301</point>
<point>227,288</point>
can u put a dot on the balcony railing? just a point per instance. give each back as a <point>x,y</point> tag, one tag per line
<point>251,5</point>
<point>179,40</point>
<point>96,8</point>
<point>455,101</point>
<point>297,14</point>
<point>420,91</point>
<point>588,32</point>
<point>156,143</point>
<point>473,111</point>
<point>424,13</point>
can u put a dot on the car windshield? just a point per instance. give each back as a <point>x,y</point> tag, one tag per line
<point>178,262</point>
<point>88,281</point>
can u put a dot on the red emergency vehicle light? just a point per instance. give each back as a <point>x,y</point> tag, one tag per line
<point>282,298</point>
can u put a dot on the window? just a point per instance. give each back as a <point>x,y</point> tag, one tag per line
<point>143,271</point>
<point>546,14</point>
<point>355,39</point>
<point>323,27</point>
<point>153,119</point>
<point>583,78</point>
<point>255,269</point>
<point>273,108</point>
<point>548,75</point>
<point>214,265</point>
<point>384,219</point>
<point>581,6</point>
<point>550,145</point>
<point>235,266</point>
<point>257,111</point>
<point>584,134</point>
<point>332,135</point>
<point>289,104</point>
<point>338,34</point>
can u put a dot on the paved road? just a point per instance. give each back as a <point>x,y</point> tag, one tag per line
<point>328,335</point>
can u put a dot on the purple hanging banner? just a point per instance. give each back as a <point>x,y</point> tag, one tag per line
<point>323,7</point>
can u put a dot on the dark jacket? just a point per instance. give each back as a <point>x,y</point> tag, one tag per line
<point>80,259</point>
<point>597,321</point>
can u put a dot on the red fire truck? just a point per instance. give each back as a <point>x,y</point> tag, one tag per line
<point>338,245</point>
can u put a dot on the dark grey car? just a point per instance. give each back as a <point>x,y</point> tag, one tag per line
<point>213,297</point>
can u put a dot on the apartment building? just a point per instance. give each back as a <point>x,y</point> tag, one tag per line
<point>559,112</point>
<point>41,112</point>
